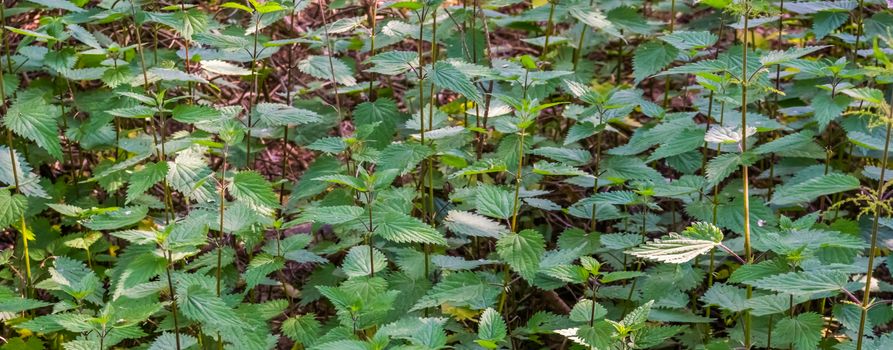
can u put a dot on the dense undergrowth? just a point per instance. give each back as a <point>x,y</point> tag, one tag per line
<point>359,175</point>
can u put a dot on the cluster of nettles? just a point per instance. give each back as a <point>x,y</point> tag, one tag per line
<point>365,175</point>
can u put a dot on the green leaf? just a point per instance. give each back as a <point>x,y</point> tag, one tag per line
<point>319,67</point>
<point>446,76</point>
<point>460,289</point>
<point>825,22</point>
<point>752,272</point>
<point>253,189</point>
<point>403,157</point>
<point>778,57</point>
<point>168,341</point>
<point>358,262</point>
<point>74,278</point>
<point>727,297</point>
<point>223,68</point>
<point>703,230</point>
<point>673,249</point>
<point>522,251</point>
<point>332,215</point>
<point>261,266</point>
<point>382,116</point>
<point>870,95</point>
<point>457,263</point>
<point>349,181</point>
<point>686,140</point>
<point>277,114</point>
<point>685,40</point>
<point>583,311</point>
<point>651,57</point>
<point>31,117</point>
<point>491,329</point>
<point>806,191</point>
<point>652,336</point>
<point>59,4</point>
<point>723,165</point>
<point>803,283</point>
<point>117,218</point>
<point>190,175</point>
<point>638,316</point>
<point>12,208</point>
<point>393,62</point>
<point>189,233</point>
<point>598,336</point>
<point>828,109</point>
<point>402,228</point>
<point>199,304</point>
<point>192,114</point>
<point>799,144</point>
<point>494,202</point>
<point>28,181</point>
<point>303,329</point>
<point>474,225</point>
<point>628,168</point>
<point>571,156</point>
<point>144,179</point>
<point>803,332</point>
<point>556,169</point>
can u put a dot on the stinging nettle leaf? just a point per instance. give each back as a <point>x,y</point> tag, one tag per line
<point>803,283</point>
<point>522,251</point>
<point>359,263</point>
<point>673,249</point>
<point>319,67</point>
<point>474,225</point>
<point>808,190</point>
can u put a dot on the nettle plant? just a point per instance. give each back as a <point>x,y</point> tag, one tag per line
<point>366,175</point>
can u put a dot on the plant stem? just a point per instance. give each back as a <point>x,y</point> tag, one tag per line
<point>595,171</point>
<point>667,78</point>
<point>549,28</point>
<point>221,209</point>
<point>372,24</point>
<point>254,93</point>
<point>516,206</point>
<point>325,27</point>
<point>859,28</point>
<point>579,49</point>
<point>23,229</point>
<point>869,274</point>
<point>430,172</point>
<point>747,250</point>
<point>170,285</point>
<point>421,16</point>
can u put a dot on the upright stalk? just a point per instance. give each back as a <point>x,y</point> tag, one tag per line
<point>430,172</point>
<point>595,171</point>
<point>372,24</point>
<point>667,78</point>
<point>325,28</point>
<point>254,94</point>
<point>288,99</point>
<point>744,186</point>
<point>859,28</point>
<point>432,211</point>
<point>170,286</point>
<point>516,206</point>
<point>549,27</point>
<point>220,235</point>
<point>421,15</point>
<point>188,58</point>
<point>869,274</point>
<point>579,49</point>
<point>23,229</point>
